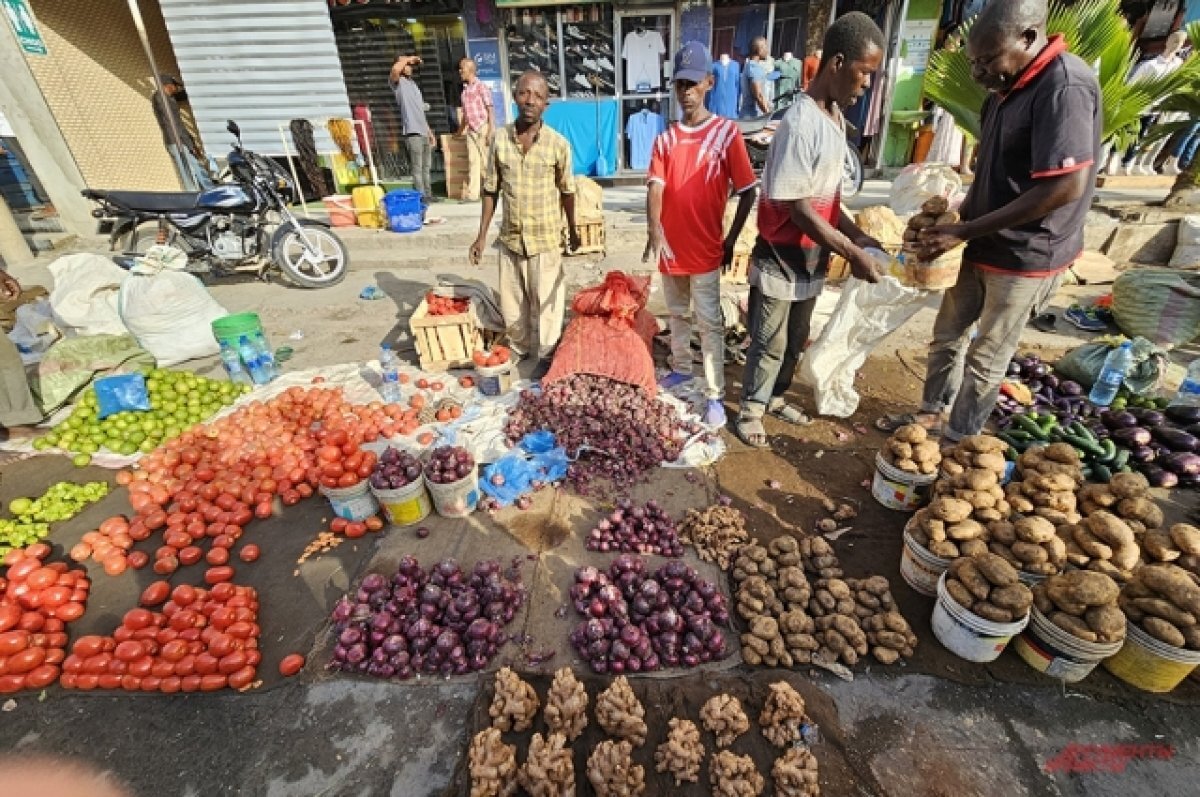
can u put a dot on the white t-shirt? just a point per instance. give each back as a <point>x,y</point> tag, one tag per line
<point>643,53</point>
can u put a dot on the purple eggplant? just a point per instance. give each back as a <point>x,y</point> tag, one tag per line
<point>1158,477</point>
<point>1119,420</point>
<point>1129,437</point>
<point>1070,388</point>
<point>1175,439</point>
<point>1183,414</point>
<point>1184,463</point>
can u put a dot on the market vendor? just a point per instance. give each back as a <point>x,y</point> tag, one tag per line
<point>18,411</point>
<point>530,168</point>
<point>1023,217</point>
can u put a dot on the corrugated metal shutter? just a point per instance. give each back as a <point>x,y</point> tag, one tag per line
<point>259,63</point>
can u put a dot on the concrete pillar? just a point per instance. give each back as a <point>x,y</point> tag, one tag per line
<point>13,248</point>
<point>41,140</point>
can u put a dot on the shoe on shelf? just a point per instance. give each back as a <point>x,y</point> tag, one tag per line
<point>591,65</point>
<point>1085,318</point>
<point>536,49</point>
<point>552,81</point>
<point>714,413</point>
<point>674,380</point>
<point>581,80</point>
<point>604,63</point>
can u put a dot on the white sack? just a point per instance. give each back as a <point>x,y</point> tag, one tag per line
<point>84,299</point>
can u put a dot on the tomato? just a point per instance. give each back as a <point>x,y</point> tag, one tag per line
<point>26,660</point>
<point>338,525</point>
<point>151,683</point>
<point>129,651</point>
<point>206,664</point>
<point>263,510</point>
<point>213,682</point>
<point>13,642</point>
<point>21,570</point>
<point>190,555</point>
<point>11,683</point>
<point>217,556</point>
<point>56,596</point>
<point>191,683</point>
<point>141,667</point>
<point>249,553</point>
<point>166,566</point>
<point>138,559</point>
<point>242,678</point>
<point>155,594</point>
<point>291,664</point>
<point>373,523</point>
<point>223,592</point>
<point>10,615</point>
<point>231,662</point>
<point>216,575</point>
<point>355,530</point>
<point>136,619</point>
<point>36,621</point>
<point>170,684</point>
<point>349,479</point>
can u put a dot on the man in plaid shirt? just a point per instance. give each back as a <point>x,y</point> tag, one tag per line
<point>476,122</point>
<point>530,168</point>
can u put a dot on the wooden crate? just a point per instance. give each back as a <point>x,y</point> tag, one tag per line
<point>445,341</point>
<point>591,237</point>
<point>739,269</point>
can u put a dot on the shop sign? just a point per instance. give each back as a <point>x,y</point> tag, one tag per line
<point>528,3</point>
<point>21,19</point>
<point>486,54</point>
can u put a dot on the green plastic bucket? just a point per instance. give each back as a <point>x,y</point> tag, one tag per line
<point>231,328</point>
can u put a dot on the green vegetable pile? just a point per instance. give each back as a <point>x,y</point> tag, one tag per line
<point>32,516</point>
<point>178,401</point>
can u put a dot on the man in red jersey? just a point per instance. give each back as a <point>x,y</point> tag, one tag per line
<point>693,166</point>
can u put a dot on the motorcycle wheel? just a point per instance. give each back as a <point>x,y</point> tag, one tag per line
<point>326,267</point>
<point>852,174</point>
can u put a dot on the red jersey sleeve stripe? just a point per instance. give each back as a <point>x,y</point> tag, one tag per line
<point>1065,170</point>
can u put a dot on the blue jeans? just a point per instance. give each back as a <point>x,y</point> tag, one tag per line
<point>195,175</point>
<point>1189,142</point>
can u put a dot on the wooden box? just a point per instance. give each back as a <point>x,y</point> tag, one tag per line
<point>591,237</point>
<point>454,158</point>
<point>445,341</point>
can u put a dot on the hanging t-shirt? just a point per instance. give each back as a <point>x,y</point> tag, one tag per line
<point>697,167</point>
<point>789,77</point>
<point>643,60</point>
<point>642,128</point>
<point>753,72</point>
<point>723,99</point>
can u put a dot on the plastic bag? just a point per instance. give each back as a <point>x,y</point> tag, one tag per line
<point>123,393</point>
<point>84,298</point>
<point>1187,244</point>
<point>921,181</point>
<point>865,314</point>
<point>1158,304</point>
<point>537,458</point>
<point>169,312</point>
<point>72,363</point>
<point>1084,363</point>
<point>34,331</point>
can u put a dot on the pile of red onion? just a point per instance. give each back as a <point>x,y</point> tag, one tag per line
<point>449,464</point>
<point>615,429</point>
<point>641,622</point>
<point>444,621</point>
<point>395,469</point>
<point>644,529</point>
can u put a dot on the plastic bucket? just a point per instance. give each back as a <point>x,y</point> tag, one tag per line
<point>495,380</point>
<point>1151,665</point>
<point>899,490</point>
<point>341,210</point>
<point>457,499</point>
<point>352,503</point>
<point>231,328</point>
<point>921,569</point>
<point>1050,650</point>
<point>403,210</point>
<point>367,200</point>
<point>968,635</point>
<point>404,506</point>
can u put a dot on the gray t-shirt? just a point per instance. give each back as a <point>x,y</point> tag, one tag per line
<point>412,107</point>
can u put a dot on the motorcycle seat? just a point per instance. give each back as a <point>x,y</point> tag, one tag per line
<point>755,125</point>
<point>153,201</point>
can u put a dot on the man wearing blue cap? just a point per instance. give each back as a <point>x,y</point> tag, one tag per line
<point>693,168</point>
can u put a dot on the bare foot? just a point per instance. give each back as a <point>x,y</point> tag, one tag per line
<point>17,432</point>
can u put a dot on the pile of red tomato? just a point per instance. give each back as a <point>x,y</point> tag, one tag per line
<point>199,641</point>
<point>498,355</point>
<point>446,305</point>
<point>37,600</point>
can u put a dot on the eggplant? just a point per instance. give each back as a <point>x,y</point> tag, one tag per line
<point>1159,477</point>
<point>1119,420</point>
<point>1070,388</point>
<point>1183,414</point>
<point>1129,437</point>
<point>1184,463</point>
<point>1149,417</point>
<point>1014,368</point>
<point>1051,381</point>
<point>1175,439</point>
<point>1142,454</point>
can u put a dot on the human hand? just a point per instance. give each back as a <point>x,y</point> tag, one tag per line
<point>574,241</point>
<point>9,287</point>
<point>937,240</point>
<point>727,255</point>
<point>863,266</point>
<point>475,254</point>
<point>654,245</point>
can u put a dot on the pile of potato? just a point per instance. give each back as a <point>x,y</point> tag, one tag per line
<point>967,496</point>
<point>934,211</point>
<point>1165,601</point>
<point>1186,538</point>
<point>1127,495</point>
<point>909,449</point>
<point>987,586</point>
<point>1104,543</point>
<point>1084,604</point>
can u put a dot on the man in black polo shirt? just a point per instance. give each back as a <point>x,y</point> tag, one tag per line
<point>1023,216</point>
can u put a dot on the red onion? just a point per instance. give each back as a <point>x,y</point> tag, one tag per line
<point>395,469</point>
<point>449,464</point>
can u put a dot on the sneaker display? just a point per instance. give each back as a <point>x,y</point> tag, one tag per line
<point>581,80</point>
<point>574,33</point>
<point>552,81</point>
<point>605,84</point>
<point>536,49</point>
<point>604,63</point>
<point>601,49</point>
<point>591,65</point>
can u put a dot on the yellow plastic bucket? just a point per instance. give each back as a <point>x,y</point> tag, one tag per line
<point>1151,665</point>
<point>368,207</point>
<point>406,505</point>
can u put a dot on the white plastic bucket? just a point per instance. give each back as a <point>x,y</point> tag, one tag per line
<point>1050,650</point>
<point>405,505</point>
<point>352,503</point>
<point>1149,664</point>
<point>967,635</point>
<point>457,499</point>
<point>921,569</point>
<point>899,490</point>
<point>495,380</point>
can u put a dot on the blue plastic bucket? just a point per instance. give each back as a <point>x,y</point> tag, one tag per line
<point>403,210</point>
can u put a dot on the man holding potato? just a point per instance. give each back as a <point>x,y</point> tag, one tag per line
<point>1023,217</point>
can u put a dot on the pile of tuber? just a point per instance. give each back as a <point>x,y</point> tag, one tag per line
<point>492,765</point>
<point>620,713</point>
<point>1102,542</point>
<point>723,716</point>
<point>795,774</point>
<point>682,753</point>
<point>612,773</point>
<point>988,586</point>
<point>548,769</point>
<point>733,775</point>
<point>1084,604</point>
<point>566,705</point>
<point>515,703</point>
<point>782,715</point>
<point>909,449</point>
<point>716,533</point>
<point>1164,600</point>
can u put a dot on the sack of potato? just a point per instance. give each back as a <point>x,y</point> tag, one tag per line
<point>1164,600</point>
<point>1084,604</point>
<point>922,270</point>
<point>909,449</point>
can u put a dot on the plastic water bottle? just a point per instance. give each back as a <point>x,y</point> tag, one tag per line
<point>1117,364</point>
<point>233,365</point>
<point>389,387</point>
<point>1189,391</point>
<point>253,362</point>
<point>265,356</point>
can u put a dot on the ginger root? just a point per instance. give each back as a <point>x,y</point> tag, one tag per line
<point>566,705</point>
<point>548,770</point>
<point>682,752</point>
<point>795,774</point>
<point>612,773</point>
<point>724,717</point>
<point>515,703</point>
<point>620,713</point>
<point>492,765</point>
<point>782,715</point>
<point>734,775</point>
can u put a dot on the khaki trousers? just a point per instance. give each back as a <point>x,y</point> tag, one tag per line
<point>17,407</point>
<point>477,151</point>
<point>532,300</point>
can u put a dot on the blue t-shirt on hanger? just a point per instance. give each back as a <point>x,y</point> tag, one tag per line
<point>723,99</point>
<point>642,128</point>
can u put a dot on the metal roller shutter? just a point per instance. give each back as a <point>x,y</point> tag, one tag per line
<point>260,63</point>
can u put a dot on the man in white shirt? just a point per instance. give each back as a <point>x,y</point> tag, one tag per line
<point>1137,161</point>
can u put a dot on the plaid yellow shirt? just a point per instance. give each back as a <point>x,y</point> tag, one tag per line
<point>531,185</point>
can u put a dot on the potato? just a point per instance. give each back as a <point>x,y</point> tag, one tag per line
<point>1128,485</point>
<point>966,572</point>
<point>1108,568</point>
<point>1002,531</point>
<point>1057,549</point>
<point>1107,621</point>
<point>996,463</point>
<point>951,510</point>
<point>1041,600</point>
<point>1098,494</point>
<point>1030,553</point>
<point>1005,552</point>
<point>1174,584</point>
<point>935,205</point>
<point>944,549</point>
<point>1141,509</point>
<point>922,221</point>
<point>912,433</point>
<point>1164,632</point>
<point>1160,547</point>
<point>977,498</point>
<point>988,515</point>
<point>900,449</point>
<point>1074,626</point>
<point>1053,482</point>
<point>949,217</point>
<point>992,612</point>
<point>983,444</point>
<point>973,548</point>
<point>995,569</point>
<point>1034,529</point>
<point>1126,557</point>
<point>927,451</point>
<point>1168,611</point>
<point>980,479</point>
<point>952,468</point>
<point>1061,452</point>
<point>1016,598</point>
<point>965,530</point>
<point>961,595</point>
<point>1089,589</point>
<point>1186,537</point>
<point>1088,543</point>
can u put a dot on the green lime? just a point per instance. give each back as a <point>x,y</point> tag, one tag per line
<point>81,460</point>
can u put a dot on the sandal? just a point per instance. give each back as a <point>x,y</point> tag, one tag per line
<point>890,423</point>
<point>789,413</point>
<point>751,432</point>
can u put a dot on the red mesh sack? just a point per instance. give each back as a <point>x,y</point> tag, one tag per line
<point>618,298</point>
<point>592,344</point>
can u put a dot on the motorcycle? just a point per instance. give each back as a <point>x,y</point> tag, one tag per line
<point>759,132</point>
<point>243,225</point>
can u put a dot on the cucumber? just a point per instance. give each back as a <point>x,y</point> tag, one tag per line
<point>1027,424</point>
<point>1086,447</point>
<point>1101,473</point>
